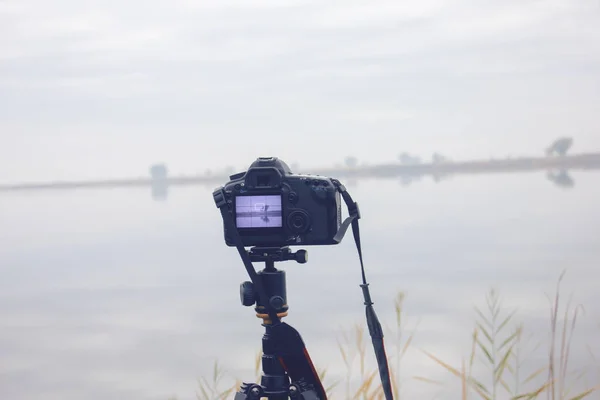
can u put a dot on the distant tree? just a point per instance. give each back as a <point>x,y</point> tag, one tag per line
<point>437,158</point>
<point>560,146</point>
<point>158,171</point>
<point>406,158</point>
<point>351,162</point>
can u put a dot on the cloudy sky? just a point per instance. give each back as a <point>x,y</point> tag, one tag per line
<point>92,89</point>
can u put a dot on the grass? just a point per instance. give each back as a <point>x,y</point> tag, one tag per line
<point>501,348</point>
<point>495,367</point>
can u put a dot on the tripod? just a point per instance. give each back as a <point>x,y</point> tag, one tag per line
<point>287,370</point>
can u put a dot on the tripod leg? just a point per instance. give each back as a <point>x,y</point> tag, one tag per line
<point>295,359</point>
<point>275,379</point>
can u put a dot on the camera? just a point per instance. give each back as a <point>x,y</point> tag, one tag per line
<point>273,207</point>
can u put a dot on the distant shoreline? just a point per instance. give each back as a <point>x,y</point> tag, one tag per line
<point>585,161</point>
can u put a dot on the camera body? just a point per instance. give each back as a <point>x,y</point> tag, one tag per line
<point>272,207</point>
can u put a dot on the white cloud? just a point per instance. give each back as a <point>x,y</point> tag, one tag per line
<point>369,14</point>
<point>162,72</point>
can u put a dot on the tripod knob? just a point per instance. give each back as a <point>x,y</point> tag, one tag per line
<point>247,294</point>
<point>301,256</point>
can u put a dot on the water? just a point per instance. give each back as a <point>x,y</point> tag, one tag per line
<point>109,294</point>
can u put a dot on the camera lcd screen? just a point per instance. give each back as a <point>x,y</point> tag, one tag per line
<point>258,211</point>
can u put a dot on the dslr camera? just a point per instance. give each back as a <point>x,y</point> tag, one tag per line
<point>272,207</point>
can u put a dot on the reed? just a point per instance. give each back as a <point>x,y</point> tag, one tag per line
<point>500,346</point>
<point>211,390</point>
<point>495,367</point>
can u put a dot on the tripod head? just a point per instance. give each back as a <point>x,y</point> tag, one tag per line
<point>272,279</point>
<point>273,254</point>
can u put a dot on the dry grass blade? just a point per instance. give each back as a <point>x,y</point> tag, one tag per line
<point>577,378</point>
<point>483,317</point>
<point>477,386</point>
<point>322,373</point>
<point>463,380</point>
<point>226,393</point>
<point>591,353</point>
<point>359,330</point>
<point>493,303</point>
<point>407,344</point>
<point>448,367</point>
<point>534,394</point>
<point>203,393</point>
<point>322,376</point>
<point>473,349</point>
<point>505,386</point>
<point>329,389</point>
<point>534,375</point>
<point>428,380</point>
<point>585,394</point>
<point>376,393</point>
<point>518,360</point>
<point>569,341</point>
<point>486,352</point>
<point>360,345</point>
<point>563,345</point>
<point>506,320</point>
<point>553,328</point>
<point>485,332</point>
<point>558,370</point>
<point>364,387</point>
<point>499,370</point>
<point>508,340</point>
<point>401,346</point>
<point>345,349</point>
<point>398,305</point>
<point>215,372</point>
<point>204,388</point>
<point>343,353</point>
<point>211,391</point>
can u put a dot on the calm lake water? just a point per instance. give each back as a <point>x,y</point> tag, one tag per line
<point>108,294</point>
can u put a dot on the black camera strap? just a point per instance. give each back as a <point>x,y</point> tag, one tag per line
<point>373,323</point>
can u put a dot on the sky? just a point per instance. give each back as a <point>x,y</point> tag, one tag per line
<point>103,89</point>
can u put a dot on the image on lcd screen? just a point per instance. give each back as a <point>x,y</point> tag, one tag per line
<point>258,211</point>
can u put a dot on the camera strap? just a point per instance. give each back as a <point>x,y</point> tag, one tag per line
<point>375,330</point>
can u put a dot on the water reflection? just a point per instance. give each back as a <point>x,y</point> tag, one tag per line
<point>160,191</point>
<point>106,294</point>
<point>561,178</point>
<point>408,171</point>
